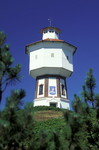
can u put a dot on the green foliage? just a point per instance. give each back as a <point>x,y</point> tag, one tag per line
<point>42,108</point>
<point>8,74</point>
<point>49,125</point>
<point>10,130</point>
<point>83,123</point>
<point>48,134</point>
<point>15,98</point>
<point>2,38</point>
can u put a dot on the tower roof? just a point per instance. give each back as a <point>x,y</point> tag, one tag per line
<point>49,40</point>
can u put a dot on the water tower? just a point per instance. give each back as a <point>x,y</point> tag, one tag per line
<point>50,63</point>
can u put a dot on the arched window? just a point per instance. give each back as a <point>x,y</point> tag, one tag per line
<point>45,31</point>
<point>67,57</point>
<point>40,89</point>
<point>51,31</point>
<point>56,32</point>
<point>63,89</point>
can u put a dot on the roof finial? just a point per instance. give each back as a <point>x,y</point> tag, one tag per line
<point>50,21</point>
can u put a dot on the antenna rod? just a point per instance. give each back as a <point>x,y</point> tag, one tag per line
<point>50,21</point>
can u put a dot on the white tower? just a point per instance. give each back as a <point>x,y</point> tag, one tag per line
<point>50,63</point>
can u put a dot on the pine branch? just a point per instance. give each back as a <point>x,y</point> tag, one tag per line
<point>92,137</point>
<point>5,87</point>
<point>0,91</point>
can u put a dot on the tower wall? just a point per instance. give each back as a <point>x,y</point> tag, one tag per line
<point>56,102</point>
<point>51,58</point>
<point>50,63</point>
<point>51,90</point>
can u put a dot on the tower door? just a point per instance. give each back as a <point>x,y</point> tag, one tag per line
<point>53,104</point>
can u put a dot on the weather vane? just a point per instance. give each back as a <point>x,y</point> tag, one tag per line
<point>50,21</point>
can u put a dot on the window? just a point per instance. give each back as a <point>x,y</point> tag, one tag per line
<point>40,89</point>
<point>51,31</point>
<point>62,89</point>
<point>56,32</point>
<point>67,57</point>
<point>53,104</point>
<point>52,54</point>
<point>45,31</point>
<point>35,56</point>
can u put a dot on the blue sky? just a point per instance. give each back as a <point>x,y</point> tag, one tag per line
<point>22,20</point>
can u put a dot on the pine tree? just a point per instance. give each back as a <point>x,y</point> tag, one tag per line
<point>10,127</point>
<point>8,74</point>
<point>83,122</point>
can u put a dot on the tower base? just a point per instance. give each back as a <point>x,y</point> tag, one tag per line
<point>56,102</point>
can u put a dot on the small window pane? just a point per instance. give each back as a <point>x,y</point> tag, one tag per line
<point>56,32</point>
<point>51,31</point>
<point>52,54</point>
<point>45,31</point>
<point>63,89</point>
<point>67,57</point>
<point>41,89</point>
<point>35,56</point>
